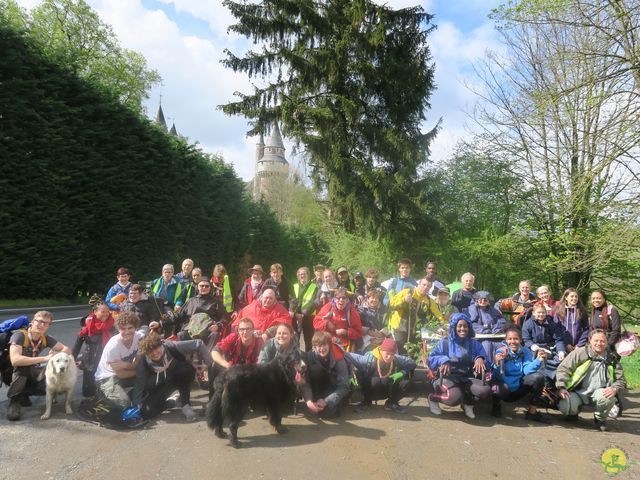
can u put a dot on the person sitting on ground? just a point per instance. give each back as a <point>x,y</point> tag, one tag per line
<point>163,368</point>
<point>340,319</point>
<point>240,347</point>
<point>383,374</point>
<point>516,374</point>
<point>279,284</point>
<point>303,305</point>
<point>252,286</point>
<point>327,289</point>
<point>327,377</point>
<point>116,370</point>
<point>372,315</point>
<point>399,283</point>
<point>605,317</point>
<point>97,330</point>
<point>120,291</point>
<point>149,309</point>
<point>458,359</point>
<point>265,312</point>
<point>461,299</point>
<point>571,317</point>
<point>431,270</point>
<point>25,349</point>
<point>486,319</point>
<point>540,332</point>
<point>409,308</point>
<point>590,374</point>
<point>168,288</point>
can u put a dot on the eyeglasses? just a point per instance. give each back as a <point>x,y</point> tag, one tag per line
<point>340,298</point>
<point>245,329</point>
<point>42,322</point>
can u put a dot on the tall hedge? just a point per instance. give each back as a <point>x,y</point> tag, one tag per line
<point>88,186</point>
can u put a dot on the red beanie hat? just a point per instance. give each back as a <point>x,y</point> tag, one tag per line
<point>389,345</point>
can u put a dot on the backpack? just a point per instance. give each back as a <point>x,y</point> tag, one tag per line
<point>7,329</point>
<point>198,325</point>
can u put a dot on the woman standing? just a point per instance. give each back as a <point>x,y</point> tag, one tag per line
<point>571,315</point>
<point>604,316</point>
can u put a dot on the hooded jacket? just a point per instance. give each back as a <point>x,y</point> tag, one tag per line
<point>347,319</point>
<point>545,335</point>
<point>337,375</point>
<point>264,318</point>
<point>516,365</point>
<point>461,353</point>
<point>486,320</point>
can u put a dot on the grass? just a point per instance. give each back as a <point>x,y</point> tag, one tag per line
<point>29,302</point>
<point>631,366</point>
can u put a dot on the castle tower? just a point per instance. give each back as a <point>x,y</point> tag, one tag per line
<point>272,167</point>
<point>160,118</point>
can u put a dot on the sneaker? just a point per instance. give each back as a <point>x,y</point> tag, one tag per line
<point>172,401</point>
<point>189,414</point>
<point>468,411</point>
<point>615,411</point>
<point>13,411</point>
<point>600,424</point>
<point>496,410</point>
<point>434,406</point>
<point>535,417</point>
<point>394,407</point>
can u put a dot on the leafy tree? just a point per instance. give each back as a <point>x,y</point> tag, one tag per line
<point>571,133</point>
<point>350,81</point>
<point>70,33</point>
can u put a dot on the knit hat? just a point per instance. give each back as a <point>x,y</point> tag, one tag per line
<point>389,345</point>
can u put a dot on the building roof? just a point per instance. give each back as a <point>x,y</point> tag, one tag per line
<point>160,118</point>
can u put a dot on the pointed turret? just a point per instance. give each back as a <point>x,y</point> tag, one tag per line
<point>160,118</point>
<point>173,130</point>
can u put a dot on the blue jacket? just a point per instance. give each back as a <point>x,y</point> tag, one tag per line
<point>174,291</point>
<point>545,335</point>
<point>516,366</point>
<point>396,285</point>
<point>461,353</point>
<point>117,289</point>
<point>486,320</point>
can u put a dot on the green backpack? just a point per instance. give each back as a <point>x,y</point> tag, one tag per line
<point>198,325</point>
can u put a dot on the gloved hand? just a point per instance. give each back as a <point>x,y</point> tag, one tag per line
<point>396,376</point>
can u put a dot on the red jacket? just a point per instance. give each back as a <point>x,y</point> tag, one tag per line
<point>347,319</point>
<point>93,326</point>
<point>231,348</point>
<point>264,318</point>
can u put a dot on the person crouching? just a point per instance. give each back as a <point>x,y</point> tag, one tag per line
<point>383,374</point>
<point>162,369</point>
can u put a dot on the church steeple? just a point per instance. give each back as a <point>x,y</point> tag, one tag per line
<point>160,118</point>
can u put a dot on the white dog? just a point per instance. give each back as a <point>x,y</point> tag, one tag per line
<point>60,376</point>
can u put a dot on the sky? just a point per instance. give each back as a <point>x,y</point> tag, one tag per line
<point>184,40</point>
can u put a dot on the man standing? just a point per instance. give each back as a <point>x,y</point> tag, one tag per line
<point>303,305</point>
<point>26,345</point>
<point>168,287</point>
<point>431,270</point>
<point>252,286</point>
<point>402,281</point>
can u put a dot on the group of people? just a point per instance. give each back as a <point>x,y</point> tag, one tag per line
<point>354,330</point>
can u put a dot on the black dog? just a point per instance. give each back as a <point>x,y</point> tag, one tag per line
<point>271,385</point>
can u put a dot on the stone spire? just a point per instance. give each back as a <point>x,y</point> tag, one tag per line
<point>160,118</point>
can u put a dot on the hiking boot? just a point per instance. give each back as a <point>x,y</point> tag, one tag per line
<point>394,407</point>
<point>25,401</point>
<point>189,414</point>
<point>361,407</point>
<point>434,406</point>
<point>496,410</point>
<point>535,417</point>
<point>13,411</point>
<point>468,411</point>
<point>600,424</point>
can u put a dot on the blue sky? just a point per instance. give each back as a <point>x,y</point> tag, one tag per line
<point>184,40</point>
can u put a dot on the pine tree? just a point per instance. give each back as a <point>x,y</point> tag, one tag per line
<point>350,81</point>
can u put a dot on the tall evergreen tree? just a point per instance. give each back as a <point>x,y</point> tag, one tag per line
<point>350,81</point>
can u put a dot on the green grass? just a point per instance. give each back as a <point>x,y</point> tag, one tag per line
<point>28,302</point>
<point>631,367</point>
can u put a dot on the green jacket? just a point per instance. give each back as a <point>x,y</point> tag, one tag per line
<point>574,367</point>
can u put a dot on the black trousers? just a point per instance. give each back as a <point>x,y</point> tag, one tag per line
<point>155,400</point>
<point>531,384</point>
<point>376,388</point>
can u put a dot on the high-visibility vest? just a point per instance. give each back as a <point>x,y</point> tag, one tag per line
<point>580,372</point>
<point>308,298</point>
<point>227,299</point>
